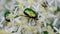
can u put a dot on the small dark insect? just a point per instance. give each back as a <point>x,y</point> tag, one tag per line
<point>44,4</point>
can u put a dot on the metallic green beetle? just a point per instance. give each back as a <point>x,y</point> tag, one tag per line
<point>6,15</point>
<point>30,13</point>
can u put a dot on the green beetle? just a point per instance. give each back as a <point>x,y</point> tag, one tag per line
<point>30,13</point>
<point>6,15</point>
<point>45,32</point>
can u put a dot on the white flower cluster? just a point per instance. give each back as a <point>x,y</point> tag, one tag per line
<point>14,21</point>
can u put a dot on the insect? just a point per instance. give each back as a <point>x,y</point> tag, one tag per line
<point>30,13</point>
<point>44,4</point>
<point>6,15</point>
<point>45,32</point>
